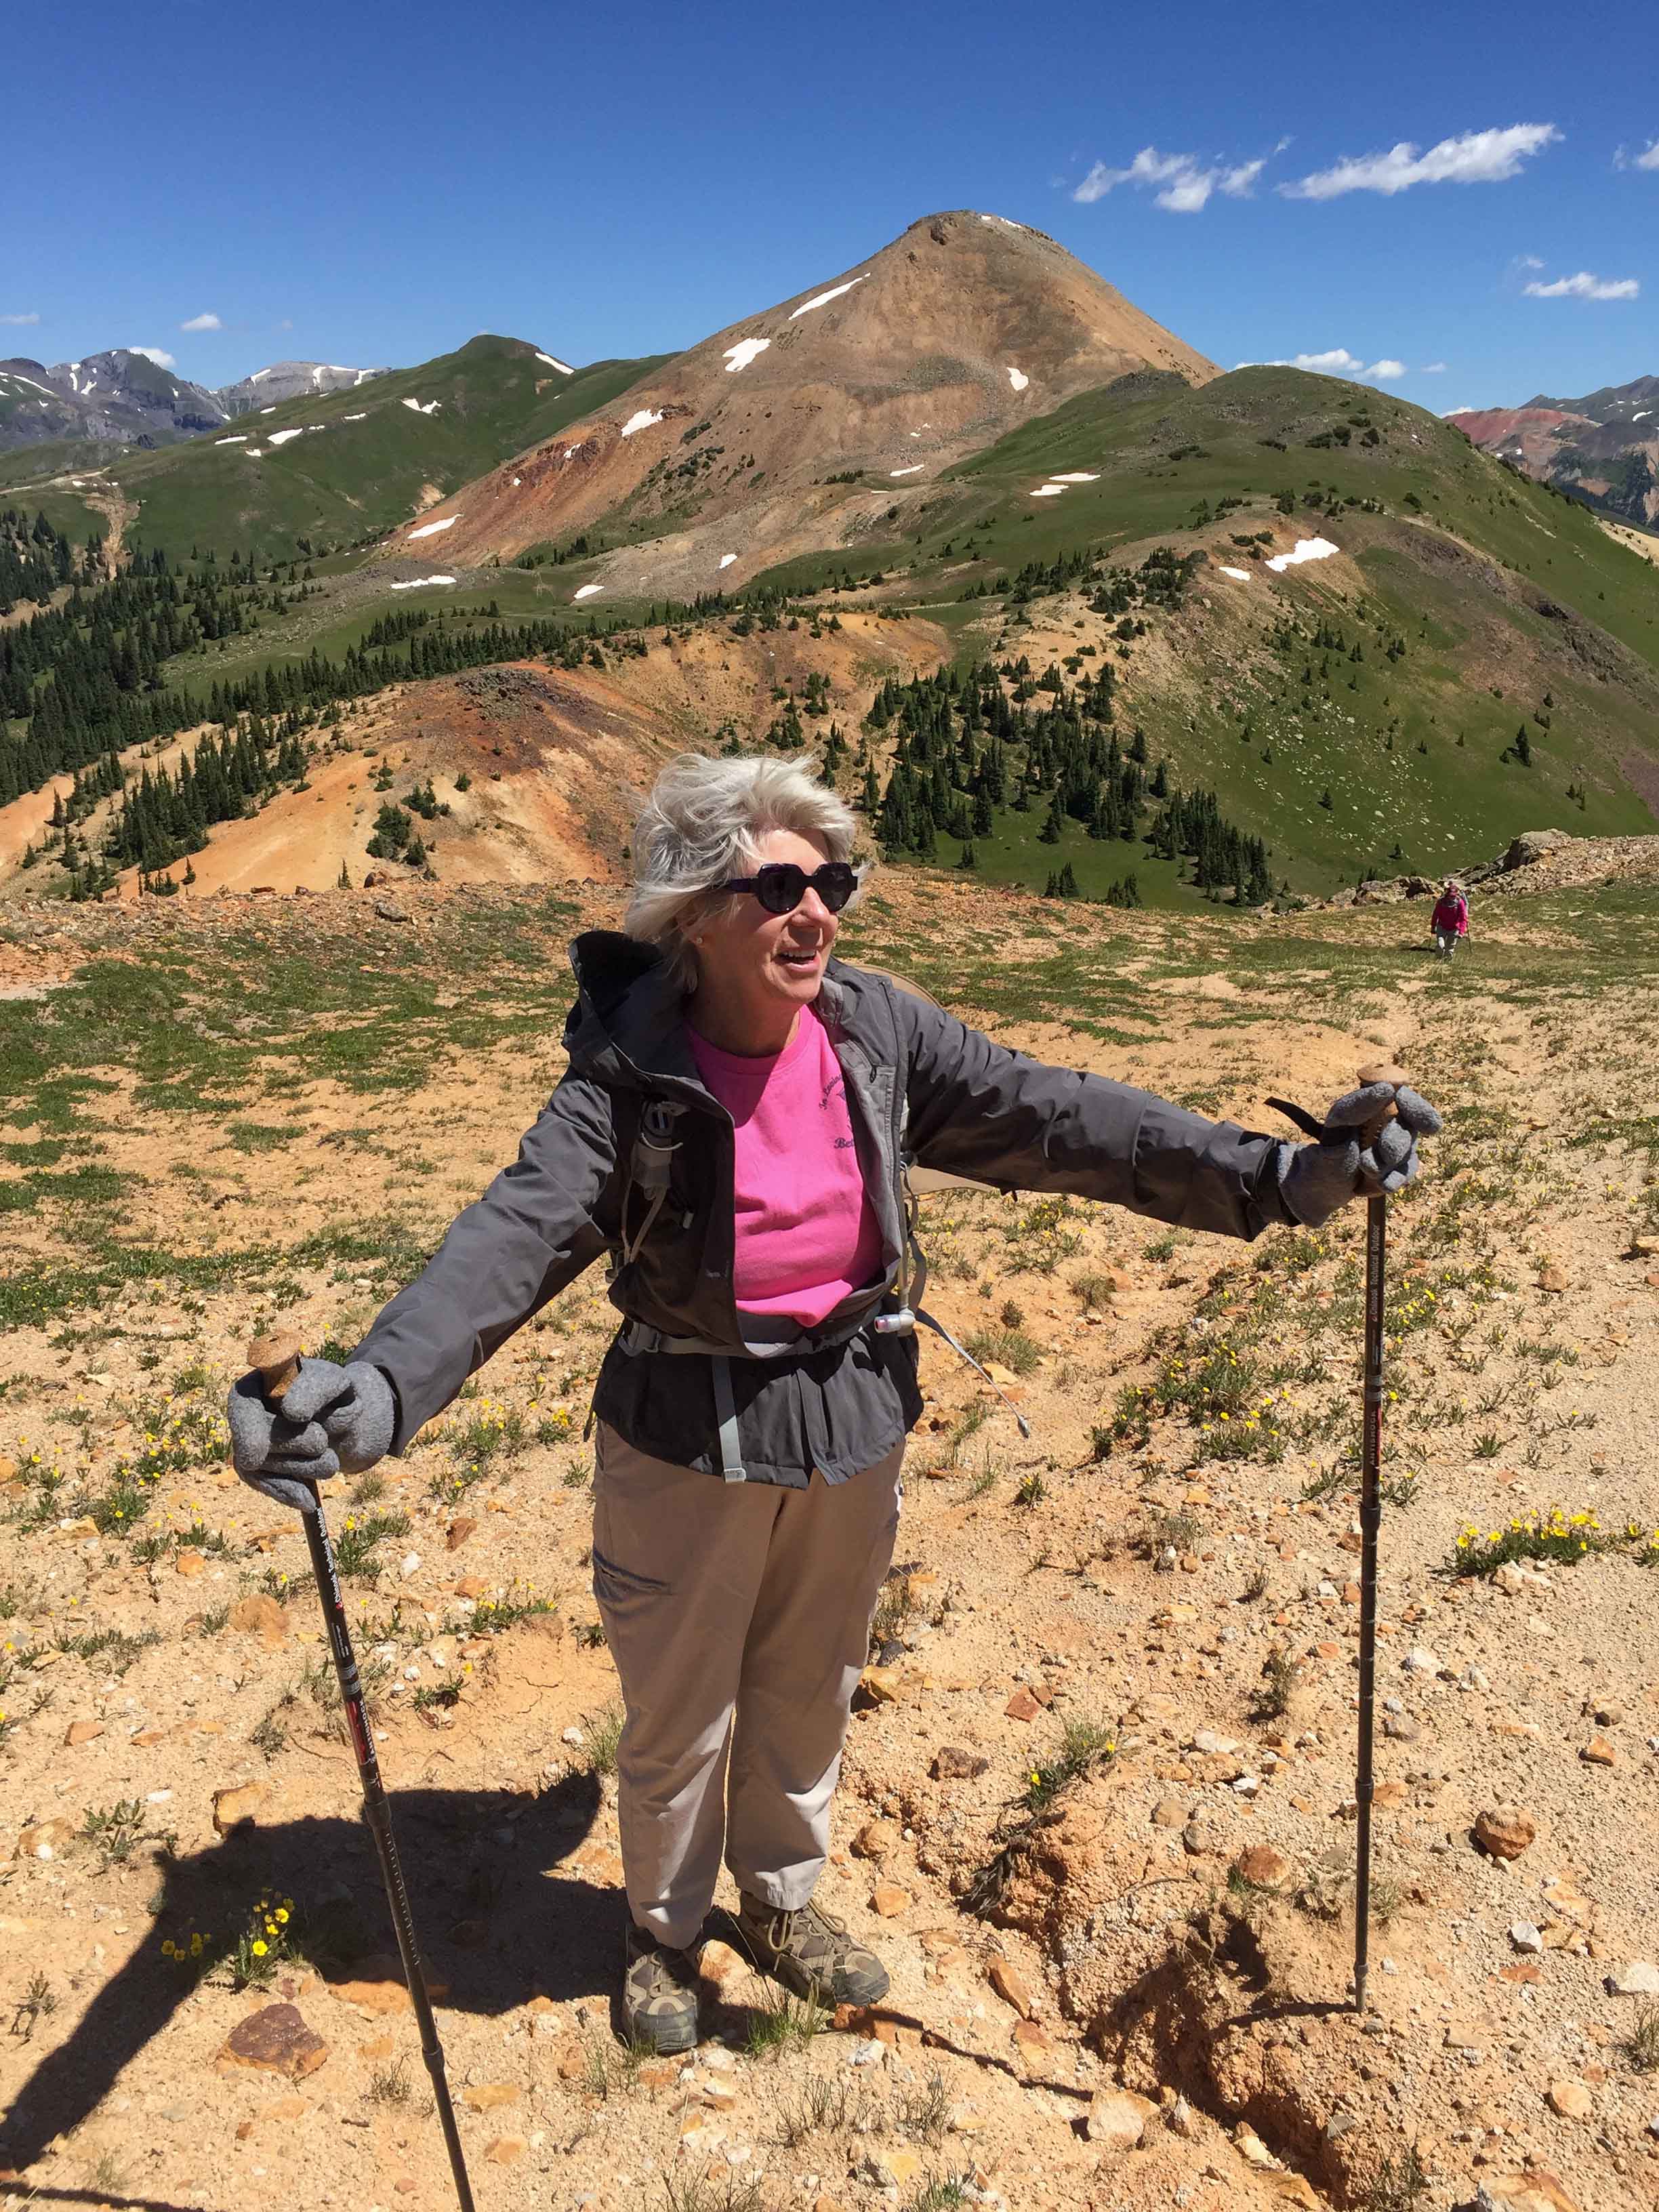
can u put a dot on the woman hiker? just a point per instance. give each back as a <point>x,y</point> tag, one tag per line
<point>729,1130</point>
<point>1451,919</point>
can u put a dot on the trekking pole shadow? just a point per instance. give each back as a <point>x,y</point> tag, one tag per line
<point>540,1934</point>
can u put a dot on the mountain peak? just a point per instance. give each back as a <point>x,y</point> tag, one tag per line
<point>886,373</point>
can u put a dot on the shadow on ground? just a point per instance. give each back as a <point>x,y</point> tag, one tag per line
<point>498,1924</point>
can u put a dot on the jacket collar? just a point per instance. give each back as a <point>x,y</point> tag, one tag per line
<point>630,1020</point>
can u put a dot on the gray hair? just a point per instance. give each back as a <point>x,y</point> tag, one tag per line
<point>704,822</point>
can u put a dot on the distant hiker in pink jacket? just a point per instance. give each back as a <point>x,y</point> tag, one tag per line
<point>1451,919</point>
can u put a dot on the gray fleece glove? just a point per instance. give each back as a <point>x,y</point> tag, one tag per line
<point>1316,1179</point>
<point>330,1419</point>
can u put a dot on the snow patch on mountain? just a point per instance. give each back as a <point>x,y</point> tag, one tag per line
<point>431,529</point>
<point>740,356</point>
<point>642,420</point>
<point>1306,549</point>
<point>824,298</point>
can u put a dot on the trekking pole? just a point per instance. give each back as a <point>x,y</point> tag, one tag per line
<point>1370,1521</point>
<point>277,1359</point>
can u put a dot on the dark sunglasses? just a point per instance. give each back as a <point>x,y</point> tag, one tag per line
<point>780,885</point>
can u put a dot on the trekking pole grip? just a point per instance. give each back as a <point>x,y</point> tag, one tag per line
<point>1380,1070</point>
<point>276,1357</point>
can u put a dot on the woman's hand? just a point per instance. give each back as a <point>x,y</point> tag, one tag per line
<point>1318,1178</point>
<point>330,1419</point>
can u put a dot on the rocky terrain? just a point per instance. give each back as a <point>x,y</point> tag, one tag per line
<point>1603,447</point>
<point>1097,1805</point>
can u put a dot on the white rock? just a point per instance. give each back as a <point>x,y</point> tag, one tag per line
<point>1514,1579</point>
<point>1525,1936</point>
<point>1207,1740</point>
<point>410,1565</point>
<point>1419,1659</point>
<point>1638,1979</point>
<point>574,1736</point>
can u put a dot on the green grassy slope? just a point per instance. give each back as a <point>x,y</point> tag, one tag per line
<point>364,470</point>
<point>1507,603</point>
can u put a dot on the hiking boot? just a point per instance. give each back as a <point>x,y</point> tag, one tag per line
<point>659,1995</point>
<point>811,1953</point>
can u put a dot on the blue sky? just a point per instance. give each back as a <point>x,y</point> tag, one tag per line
<point>372,184</point>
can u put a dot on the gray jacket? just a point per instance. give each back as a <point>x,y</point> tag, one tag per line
<point>920,1084</point>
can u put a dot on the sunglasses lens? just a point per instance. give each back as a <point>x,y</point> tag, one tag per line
<point>835,882</point>
<point>780,886</point>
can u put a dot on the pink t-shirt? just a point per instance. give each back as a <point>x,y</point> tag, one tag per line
<point>806,1234</point>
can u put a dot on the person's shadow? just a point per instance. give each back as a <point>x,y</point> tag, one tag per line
<point>494,1930</point>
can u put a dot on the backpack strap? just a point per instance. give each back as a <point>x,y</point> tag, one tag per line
<point>655,1147</point>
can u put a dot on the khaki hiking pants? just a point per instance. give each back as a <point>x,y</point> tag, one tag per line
<point>738,1616</point>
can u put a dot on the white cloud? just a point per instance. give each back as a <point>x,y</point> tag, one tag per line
<point>1336,361</point>
<point>1583,286</point>
<point>1185,181</point>
<point>1432,368</point>
<point>1474,157</point>
<point>159,354</point>
<point>1648,158</point>
<point>203,323</point>
<point>19,318</point>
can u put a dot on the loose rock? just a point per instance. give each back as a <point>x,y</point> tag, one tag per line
<point>1504,1831</point>
<point>1264,1868</point>
<point>876,1838</point>
<point>259,1614</point>
<point>1117,2118</point>
<point>1011,1985</point>
<point>236,1808</point>
<point>489,2096</point>
<point>275,2039</point>
<point>1570,2098</point>
<point>1534,2190</point>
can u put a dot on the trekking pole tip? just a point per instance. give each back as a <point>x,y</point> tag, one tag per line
<point>278,1359</point>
